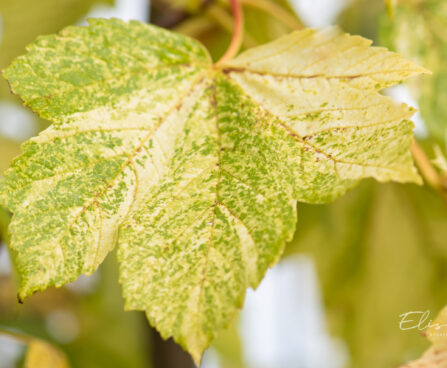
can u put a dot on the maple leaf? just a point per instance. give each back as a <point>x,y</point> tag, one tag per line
<point>192,170</point>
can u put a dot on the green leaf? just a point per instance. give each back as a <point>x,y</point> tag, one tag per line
<point>192,170</point>
<point>418,32</point>
<point>361,17</point>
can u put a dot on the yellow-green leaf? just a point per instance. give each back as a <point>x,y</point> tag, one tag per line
<point>192,170</point>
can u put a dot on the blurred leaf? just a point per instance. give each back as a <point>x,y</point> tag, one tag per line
<point>229,347</point>
<point>40,354</point>
<point>362,17</point>
<point>262,26</point>
<point>380,252</point>
<point>4,223</point>
<point>24,20</point>
<point>171,13</point>
<point>440,160</point>
<point>8,150</point>
<point>419,31</point>
<point>390,8</point>
<point>190,6</point>
<point>107,335</point>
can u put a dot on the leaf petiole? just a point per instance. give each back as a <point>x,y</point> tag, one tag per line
<point>428,172</point>
<point>238,33</point>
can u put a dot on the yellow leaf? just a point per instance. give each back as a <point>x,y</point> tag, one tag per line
<point>43,355</point>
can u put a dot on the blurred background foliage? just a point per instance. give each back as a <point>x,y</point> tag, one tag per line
<point>380,251</point>
<point>418,29</point>
<point>24,20</point>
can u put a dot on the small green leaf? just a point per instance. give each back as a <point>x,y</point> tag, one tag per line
<point>192,170</point>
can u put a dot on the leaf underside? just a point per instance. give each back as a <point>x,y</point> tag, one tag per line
<point>192,171</point>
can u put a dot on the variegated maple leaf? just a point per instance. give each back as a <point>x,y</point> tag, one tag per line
<point>191,170</point>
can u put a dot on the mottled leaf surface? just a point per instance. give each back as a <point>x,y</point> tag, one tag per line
<point>419,31</point>
<point>193,171</point>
